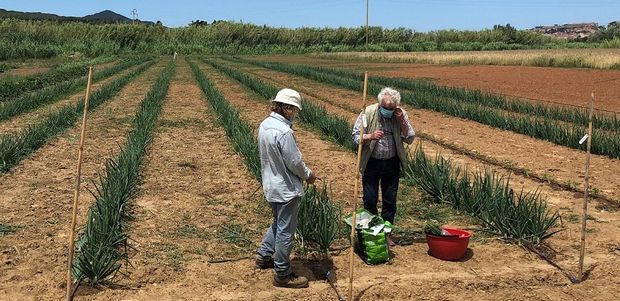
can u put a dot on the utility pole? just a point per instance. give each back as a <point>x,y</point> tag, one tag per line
<point>134,14</point>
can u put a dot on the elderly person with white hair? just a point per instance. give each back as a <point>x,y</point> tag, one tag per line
<point>387,127</point>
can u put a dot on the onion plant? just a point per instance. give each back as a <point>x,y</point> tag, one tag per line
<point>313,115</point>
<point>579,116</point>
<point>523,217</point>
<point>12,87</point>
<point>55,92</point>
<point>319,218</point>
<point>240,133</point>
<point>102,245</point>
<point>16,146</point>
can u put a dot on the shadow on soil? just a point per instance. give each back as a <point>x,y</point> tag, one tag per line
<point>314,270</point>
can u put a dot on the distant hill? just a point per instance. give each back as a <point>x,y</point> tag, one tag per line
<point>105,17</point>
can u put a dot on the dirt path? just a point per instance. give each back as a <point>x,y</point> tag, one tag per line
<point>560,85</point>
<point>561,163</point>
<point>37,195</point>
<point>21,121</point>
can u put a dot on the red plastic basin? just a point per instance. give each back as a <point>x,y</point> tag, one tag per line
<point>449,247</point>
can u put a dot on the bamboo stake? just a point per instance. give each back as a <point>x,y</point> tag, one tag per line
<point>357,172</point>
<point>76,192</point>
<point>356,189</point>
<point>582,249</point>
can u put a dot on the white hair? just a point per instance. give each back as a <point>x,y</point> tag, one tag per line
<point>392,95</point>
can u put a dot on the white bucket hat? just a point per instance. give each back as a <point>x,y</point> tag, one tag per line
<point>289,97</point>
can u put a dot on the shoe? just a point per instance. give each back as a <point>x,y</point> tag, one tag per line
<point>290,281</point>
<point>263,262</point>
<point>390,242</point>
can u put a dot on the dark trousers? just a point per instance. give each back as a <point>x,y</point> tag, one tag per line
<point>386,173</point>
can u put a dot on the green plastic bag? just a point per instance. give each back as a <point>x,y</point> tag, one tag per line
<point>371,243</point>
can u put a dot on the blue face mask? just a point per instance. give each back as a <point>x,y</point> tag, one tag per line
<point>386,113</point>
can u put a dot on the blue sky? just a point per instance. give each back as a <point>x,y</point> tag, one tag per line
<point>415,14</point>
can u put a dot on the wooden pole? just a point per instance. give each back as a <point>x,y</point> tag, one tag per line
<point>356,189</point>
<point>76,192</point>
<point>357,172</point>
<point>582,249</point>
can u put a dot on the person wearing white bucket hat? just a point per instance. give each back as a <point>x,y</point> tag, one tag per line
<point>283,172</point>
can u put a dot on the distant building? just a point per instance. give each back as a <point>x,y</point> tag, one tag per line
<point>568,31</point>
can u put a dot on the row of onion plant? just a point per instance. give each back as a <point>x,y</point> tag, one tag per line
<point>561,133</point>
<point>476,194</point>
<point>102,245</point>
<point>14,86</point>
<point>57,91</point>
<point>313,115</point>
<point>580,116</point>
<point>319,216</point>
<point>16,146</point>
<point>521,216</point>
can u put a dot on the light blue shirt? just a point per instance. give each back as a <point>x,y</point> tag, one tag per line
<point>282,168</point>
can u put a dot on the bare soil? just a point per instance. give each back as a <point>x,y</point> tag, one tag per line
<point>24,71</point>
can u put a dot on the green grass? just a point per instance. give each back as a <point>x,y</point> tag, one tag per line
<point>17,146</point>
<point>103,244</point>
<point>6,229</point>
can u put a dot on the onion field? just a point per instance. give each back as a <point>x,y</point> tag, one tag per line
<point>171,206</point>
